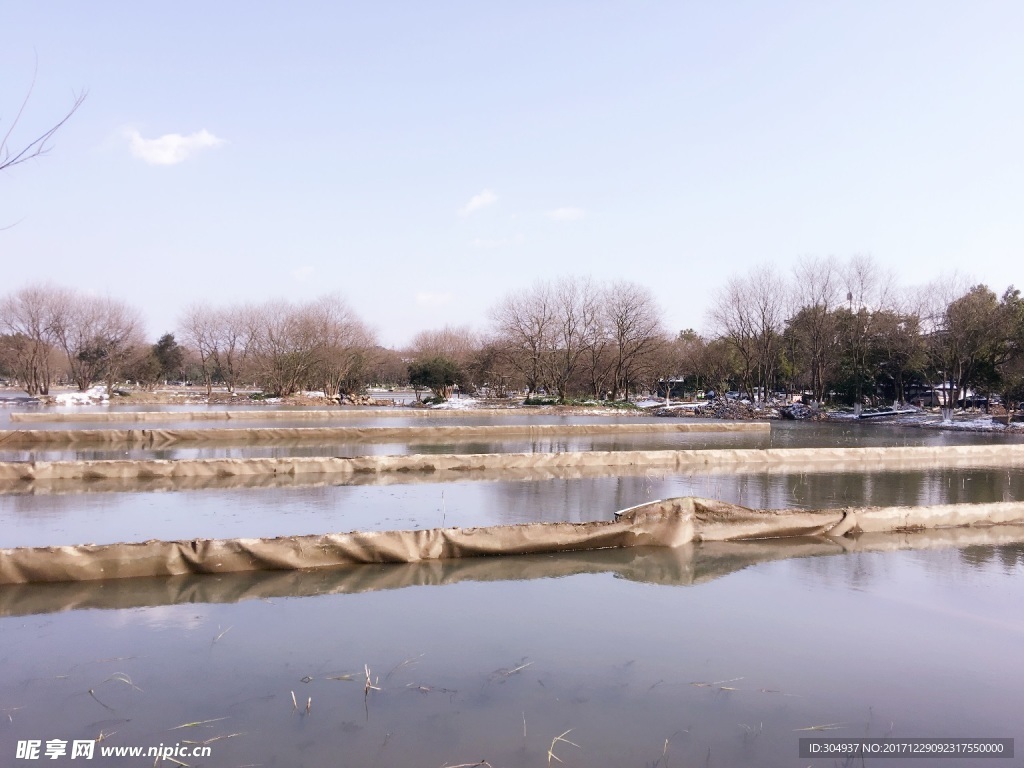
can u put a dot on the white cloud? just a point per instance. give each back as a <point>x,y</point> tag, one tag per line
<point>568,213</point>
<point>424,299</point>
<point>476,202</point>
<point>171,148</point>
<point>301,274</point>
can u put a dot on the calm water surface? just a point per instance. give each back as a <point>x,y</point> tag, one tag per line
<point>43,518</point>
<point>783,434</point>
<point>46,514</point>
<point>642,658</point>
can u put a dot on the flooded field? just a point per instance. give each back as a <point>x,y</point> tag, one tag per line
<point>781,435</point>
<point>301,506</point>
<point>644,658</point>
<point>705,655</point>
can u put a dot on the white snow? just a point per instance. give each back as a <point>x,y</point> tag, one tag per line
<point>983,423</point>
<point>95,396</point>
<point>686,406</point>
<point>457,403</point>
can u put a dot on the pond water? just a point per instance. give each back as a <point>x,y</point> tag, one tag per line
<point>665,658</point>
<point>277,417</point>
<point>708,655</point>
<point>783,434</point>
<point>45,515</point>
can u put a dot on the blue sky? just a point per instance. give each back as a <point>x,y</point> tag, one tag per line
<point>422,159</point>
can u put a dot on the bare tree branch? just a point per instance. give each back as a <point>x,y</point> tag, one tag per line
<point>39,146</point>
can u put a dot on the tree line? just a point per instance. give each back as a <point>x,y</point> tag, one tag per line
<point>846,331</point>
<point>840,331</point>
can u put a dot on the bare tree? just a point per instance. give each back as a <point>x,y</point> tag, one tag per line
<point>448,358</point>
<point>98,335</point>
<point>322,344</point>
<point>387,367</point>
<point>869,289</point>
<point>28,318</point>
<point>576,308</point>
<point>734,323</point>
<point>345,347</point>
<point>749,314</point>
<point>230,343</point>
<point>812,327</point>
<point>669,362</point>
<point>219,337</point>
<point>523,324</point>
<point>198,328</point>
<point>11,156</point>
<point>633,320</point>
<point>867,283</point>
<point>458,344</point>
<point>283,346</point>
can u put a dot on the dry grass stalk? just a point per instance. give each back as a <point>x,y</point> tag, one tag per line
<point>370,686</point>
<point>555,741</point>
<point>429,689</point>
<point>215,738</point>
<point>197,723</point>
<point>720,684</point>
<point>749,734</point>
<point>121,677</point>
<point>501,674</point>
<point>406,663</point>
<point>218,637</point>
<point>826,727</point>
<point>159,758</point>
<point>780,693</point>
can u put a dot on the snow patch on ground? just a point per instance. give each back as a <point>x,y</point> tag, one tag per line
<point>95,396</point>
<point>981,424</point>
<point>459,403</point>
<point>843,416</point>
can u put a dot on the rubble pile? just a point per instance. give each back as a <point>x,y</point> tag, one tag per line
<point>801,412</point>
<point>356,399</point>
<point>724,409</point>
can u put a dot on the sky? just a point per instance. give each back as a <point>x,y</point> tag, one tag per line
<point>422,160</point>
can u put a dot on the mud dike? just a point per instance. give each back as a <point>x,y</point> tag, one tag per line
<point>162,438</point>
<point>668,524</point>
<point>458,466</point>
<point>311,414</point>
<point>673,524</point>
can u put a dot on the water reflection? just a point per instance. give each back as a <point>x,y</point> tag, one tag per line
<point>782,435</point>
<point>43,514</point>
<point>951,552</point>
<point>673,669</point>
